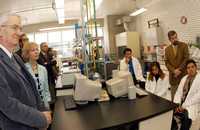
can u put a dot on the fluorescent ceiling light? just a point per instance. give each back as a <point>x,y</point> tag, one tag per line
<point>60,11</point>
<point>139,11</point>
<point>56,28</point>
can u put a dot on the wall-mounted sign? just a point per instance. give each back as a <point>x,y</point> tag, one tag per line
<point>153,23</point>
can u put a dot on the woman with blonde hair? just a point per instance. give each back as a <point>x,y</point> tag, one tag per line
<point>157,82</point>
<point>38,72</point>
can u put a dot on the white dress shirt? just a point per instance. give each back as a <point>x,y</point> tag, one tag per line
<point>6,51</point>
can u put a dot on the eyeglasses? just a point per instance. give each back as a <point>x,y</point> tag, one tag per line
<point>14,27</point>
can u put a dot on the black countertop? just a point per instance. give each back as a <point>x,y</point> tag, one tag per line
<point>114,113</point>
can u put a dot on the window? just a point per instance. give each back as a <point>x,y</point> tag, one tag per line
<point>68,35</point>
<point>54,37</point>
<point>31,37</point>
<point>40,37</point>
<point>99,32</point>
<point>62,41</point>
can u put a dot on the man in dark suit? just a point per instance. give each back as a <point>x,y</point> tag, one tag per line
<point>43,56</point>
<point>46,60</point>
<point>22,41</point>
<point>20,105</point>
<point>176,56</point>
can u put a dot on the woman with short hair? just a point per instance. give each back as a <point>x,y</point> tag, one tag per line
<point>38,72</point>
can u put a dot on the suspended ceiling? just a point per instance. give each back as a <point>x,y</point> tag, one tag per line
<point>40,11</point>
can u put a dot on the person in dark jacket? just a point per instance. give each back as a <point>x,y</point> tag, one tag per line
<point>46,59</point>
<point>22,41</point>
<point>21,107</point>
<point>43,56</point>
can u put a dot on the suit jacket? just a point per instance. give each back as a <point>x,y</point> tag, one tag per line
<point>19,100</point>
<point>173,61</point>
<point>19,53</point>
<point>42,59</point>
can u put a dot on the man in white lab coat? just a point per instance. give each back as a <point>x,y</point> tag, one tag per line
<point>132,64</point>
<point>188,94</point>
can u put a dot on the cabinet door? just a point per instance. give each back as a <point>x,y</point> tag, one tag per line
<point>129,39</point>
<point>121,39</point>
<point>134,43</point>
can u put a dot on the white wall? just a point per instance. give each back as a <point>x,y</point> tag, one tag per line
<point>169,13</point>
<point>110,30</point>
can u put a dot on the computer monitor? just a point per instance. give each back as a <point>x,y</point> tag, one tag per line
<point>125,75</point>
<point>78,77</point>
<point>115,73</point>
<point>118,86</point>
<point>85,89</point>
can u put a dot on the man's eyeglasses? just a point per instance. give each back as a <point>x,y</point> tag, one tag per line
<point>14,27</point>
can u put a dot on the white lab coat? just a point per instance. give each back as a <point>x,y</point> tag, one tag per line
<point>192,101</point>
<point>136,66</point>
<point>158,88</point>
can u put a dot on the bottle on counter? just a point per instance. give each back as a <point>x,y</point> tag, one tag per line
<point>131,92</point>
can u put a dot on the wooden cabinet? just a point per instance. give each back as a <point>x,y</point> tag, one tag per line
<point>130,40</point>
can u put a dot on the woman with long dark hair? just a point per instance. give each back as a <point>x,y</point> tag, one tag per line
<point>157,82</point>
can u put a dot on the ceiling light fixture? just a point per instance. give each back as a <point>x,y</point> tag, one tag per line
<point>60,11</point>
<point>139,11</point>
<point>56,28</point>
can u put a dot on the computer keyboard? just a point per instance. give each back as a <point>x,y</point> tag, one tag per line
<point>69,102</point>
<point>140,92</point>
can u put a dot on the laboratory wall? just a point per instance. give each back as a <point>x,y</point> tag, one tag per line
<point>169,13</point>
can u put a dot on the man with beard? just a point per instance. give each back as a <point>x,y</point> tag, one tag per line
<point>176,56</point>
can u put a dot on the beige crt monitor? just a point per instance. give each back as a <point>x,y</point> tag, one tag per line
<point>85,89</point>
<point>118,86</point>
<point>125,75</point>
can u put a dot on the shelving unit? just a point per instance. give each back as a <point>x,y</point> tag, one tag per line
<point>93,53</point>
<point>154,48</point>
